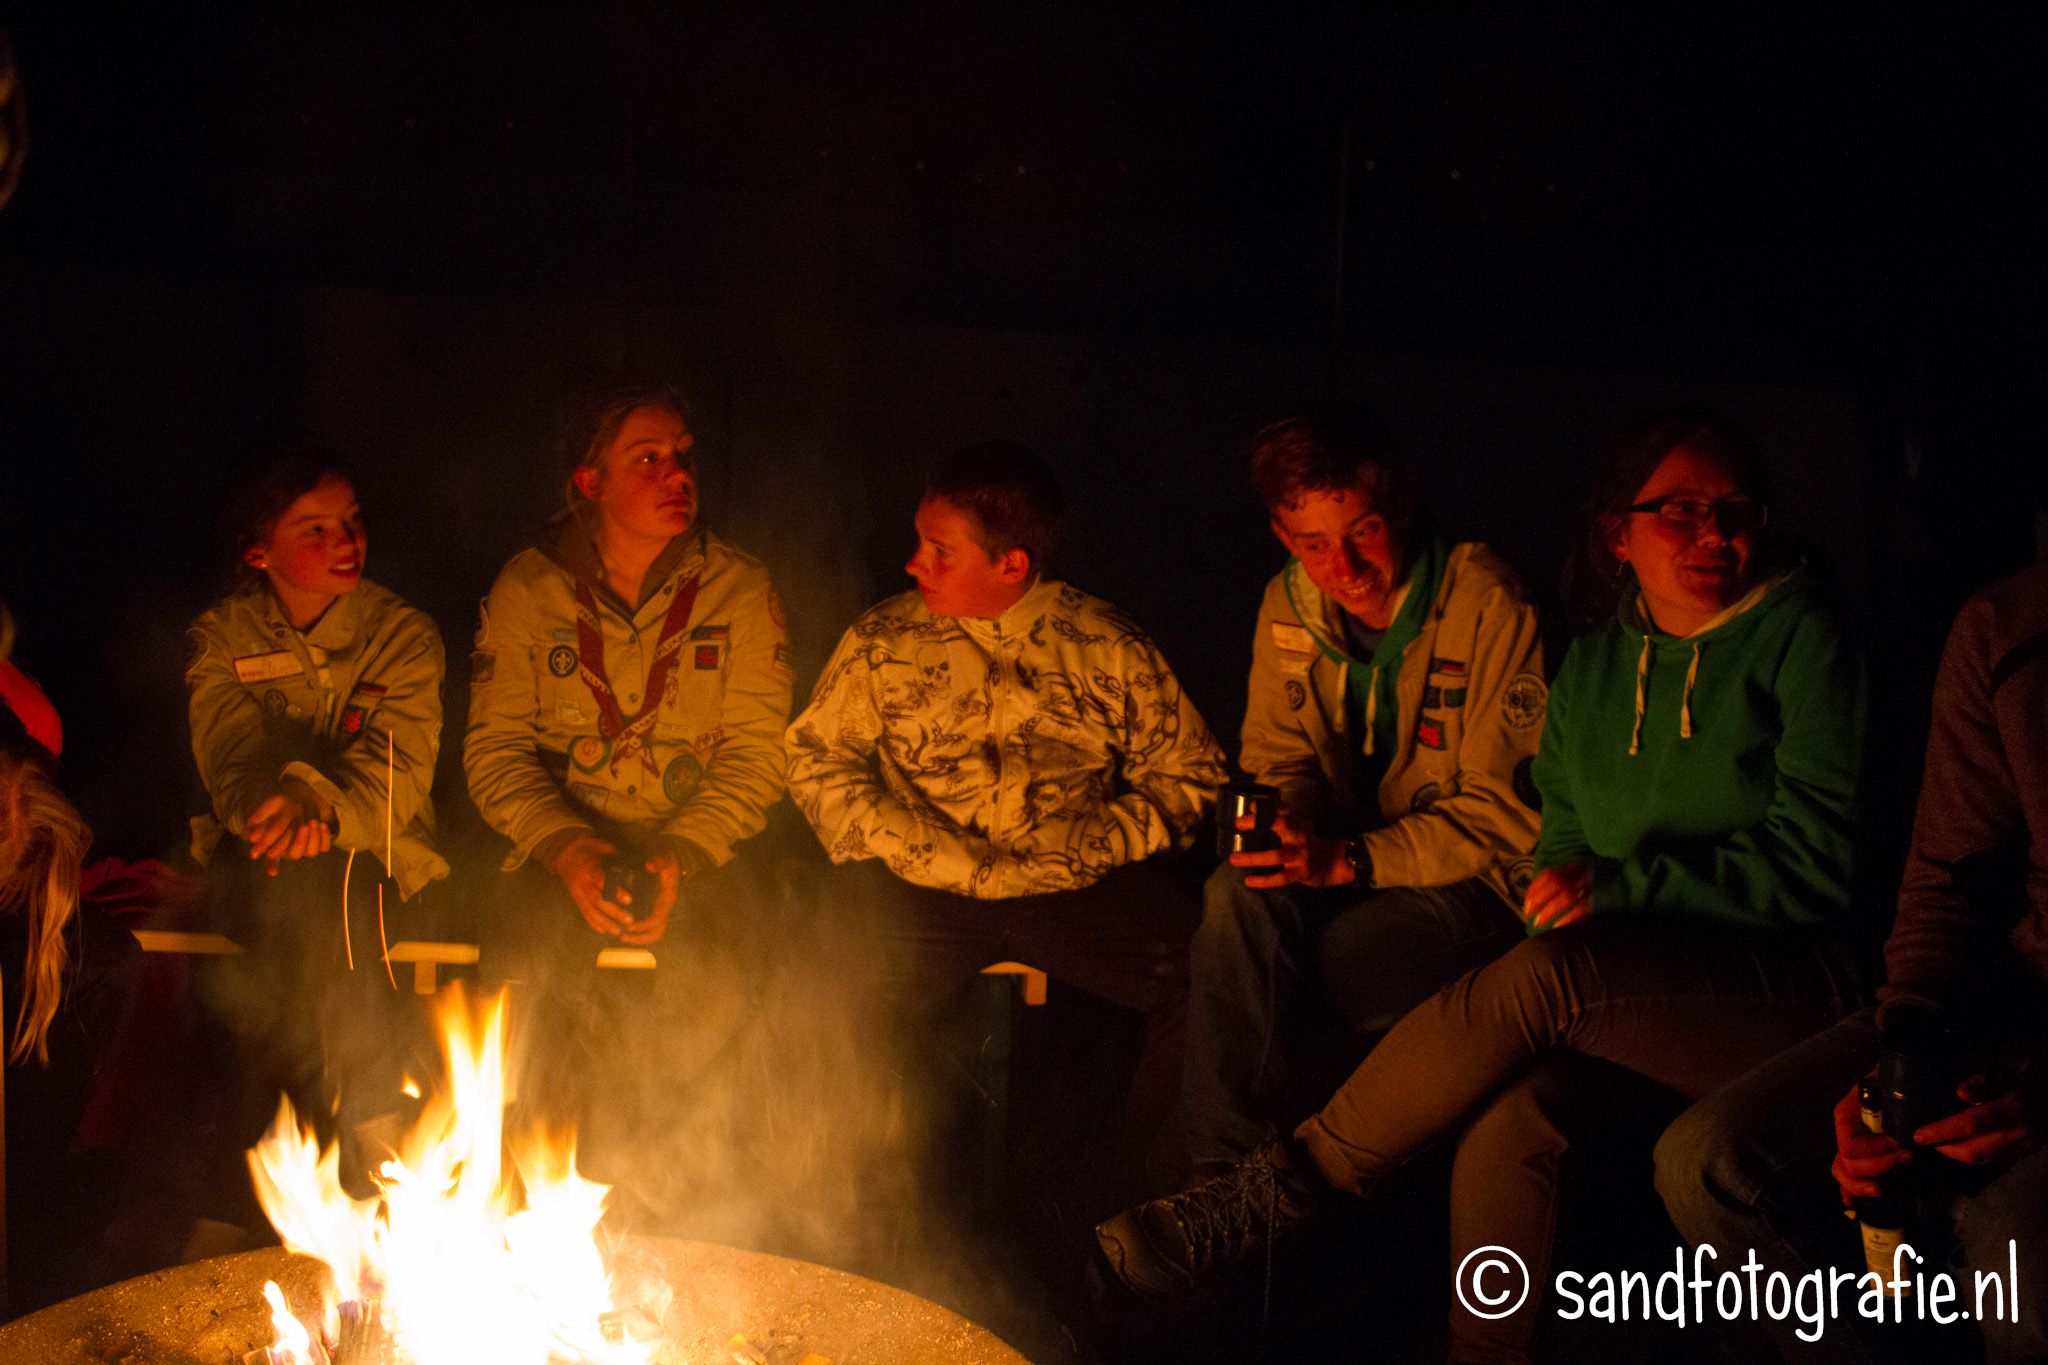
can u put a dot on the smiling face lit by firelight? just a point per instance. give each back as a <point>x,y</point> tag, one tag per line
<point>314,552</point>
<point>1687,574</point>
<point>1344,543</point>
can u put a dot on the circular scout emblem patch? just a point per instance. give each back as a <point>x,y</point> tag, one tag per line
<point>680,778</point>
<point>1521,705</point>
<point>561,661</point>
<point>1425,796</point>
<point>1297,695</point>
<point>1520,873</point>
<point>588,752</point>
<point>273,703</point>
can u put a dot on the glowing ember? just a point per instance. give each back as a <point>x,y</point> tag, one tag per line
<point>453,1261</point>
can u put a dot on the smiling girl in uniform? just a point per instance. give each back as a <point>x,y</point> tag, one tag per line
<point>315,705</point>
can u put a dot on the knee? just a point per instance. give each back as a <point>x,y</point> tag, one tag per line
<point>1705,1171</point>
<point>1520,1128</point>
<point>1233,912</point>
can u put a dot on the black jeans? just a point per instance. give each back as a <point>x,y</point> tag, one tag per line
<point>1124,938</point>
<point>1267,962</point>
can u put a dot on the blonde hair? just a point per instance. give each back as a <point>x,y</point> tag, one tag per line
<point>43,840</point>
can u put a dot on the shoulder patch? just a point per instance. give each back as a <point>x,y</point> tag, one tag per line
<point>1292,639</point>
<point>1523,700</point>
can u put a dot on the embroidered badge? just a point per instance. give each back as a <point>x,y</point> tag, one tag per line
<point>1446,697</point>
<point>588,752</point>
<point>783,668</point>
<point>256,668</point>
<point>374,691</point>
<point>273,703</point>
<point>710,632</point>
<point>352,721</point>
<point>1297,668</point>
<point>481,668</point>
<point>1429,732</point>
<point>1520,874</point>
<point>1297,695</point>
<point>707,656</point>
<point>561,661</point>
<point>1293,639</point>
<point>1425,796</point>
<point>1523,700</point>
<point>1450,667</point>
<point>680,778</point>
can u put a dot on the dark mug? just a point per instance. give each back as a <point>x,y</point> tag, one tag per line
<point>1919,1066</point>
<point>1237,799</point>
<point>625,873</point>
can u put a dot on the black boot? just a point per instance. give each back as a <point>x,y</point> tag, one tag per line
<point>1172,1245</point>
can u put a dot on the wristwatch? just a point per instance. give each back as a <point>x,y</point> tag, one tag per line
<point>1360,860</point>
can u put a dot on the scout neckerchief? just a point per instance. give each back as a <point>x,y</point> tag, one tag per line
<point>1370,683</point>
<point>627,736</point>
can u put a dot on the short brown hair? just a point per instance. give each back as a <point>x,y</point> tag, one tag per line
<point>1010,496</point>
<point>1319,452</point>
<point>596,404</point>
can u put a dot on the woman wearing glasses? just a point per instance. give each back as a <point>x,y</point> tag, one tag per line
<point>1698,774</point>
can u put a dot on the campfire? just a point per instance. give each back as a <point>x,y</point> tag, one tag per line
<point>476,1250</point>
<point>457,1258</point>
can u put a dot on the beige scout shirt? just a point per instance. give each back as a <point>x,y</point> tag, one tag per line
<point>351,707</point>
<point>1471,699</point>
<point>538,762</point>
<point>1031,753</point>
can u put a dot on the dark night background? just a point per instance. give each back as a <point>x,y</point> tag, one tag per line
<point>1126,235</point>
<point>862,238</point>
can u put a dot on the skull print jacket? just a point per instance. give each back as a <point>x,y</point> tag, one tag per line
<point>1455,799</point>
<point>351,707</point>
<point>649,722</point>
<point>998,758</point>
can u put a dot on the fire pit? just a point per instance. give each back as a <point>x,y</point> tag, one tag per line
<point>213,1313</point>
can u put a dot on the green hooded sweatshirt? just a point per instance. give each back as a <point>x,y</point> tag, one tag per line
<point>1711,775</point>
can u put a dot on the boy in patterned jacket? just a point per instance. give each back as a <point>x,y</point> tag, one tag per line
<point>1003,760</point>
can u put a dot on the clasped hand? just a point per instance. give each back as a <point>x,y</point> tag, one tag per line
<point>293,822</point>
<point>580,866</point>
<point>2001,1115</point>
<point>1302,859</point>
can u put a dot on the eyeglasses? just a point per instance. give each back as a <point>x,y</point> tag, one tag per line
<point>1735,516</point>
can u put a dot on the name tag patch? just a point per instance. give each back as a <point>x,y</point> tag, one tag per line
<point>1292,639</point>
<point>256,668</point>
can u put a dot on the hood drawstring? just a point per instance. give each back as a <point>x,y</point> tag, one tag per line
<point>1372,705</point>
<point>1635,738</point>
<point>1692,672</point>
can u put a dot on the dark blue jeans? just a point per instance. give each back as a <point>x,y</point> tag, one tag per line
<point>1267,962</point>
<point>1747,1167</point>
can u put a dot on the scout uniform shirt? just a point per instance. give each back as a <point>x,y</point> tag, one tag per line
<point>564,735</point>
<point>352,707</point>
<point>1454,799</point>
<point>1026,754</point>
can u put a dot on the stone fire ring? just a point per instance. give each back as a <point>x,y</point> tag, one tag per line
<point>212,1312</point>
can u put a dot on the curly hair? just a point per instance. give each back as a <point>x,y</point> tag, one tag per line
<point>43,841</point>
